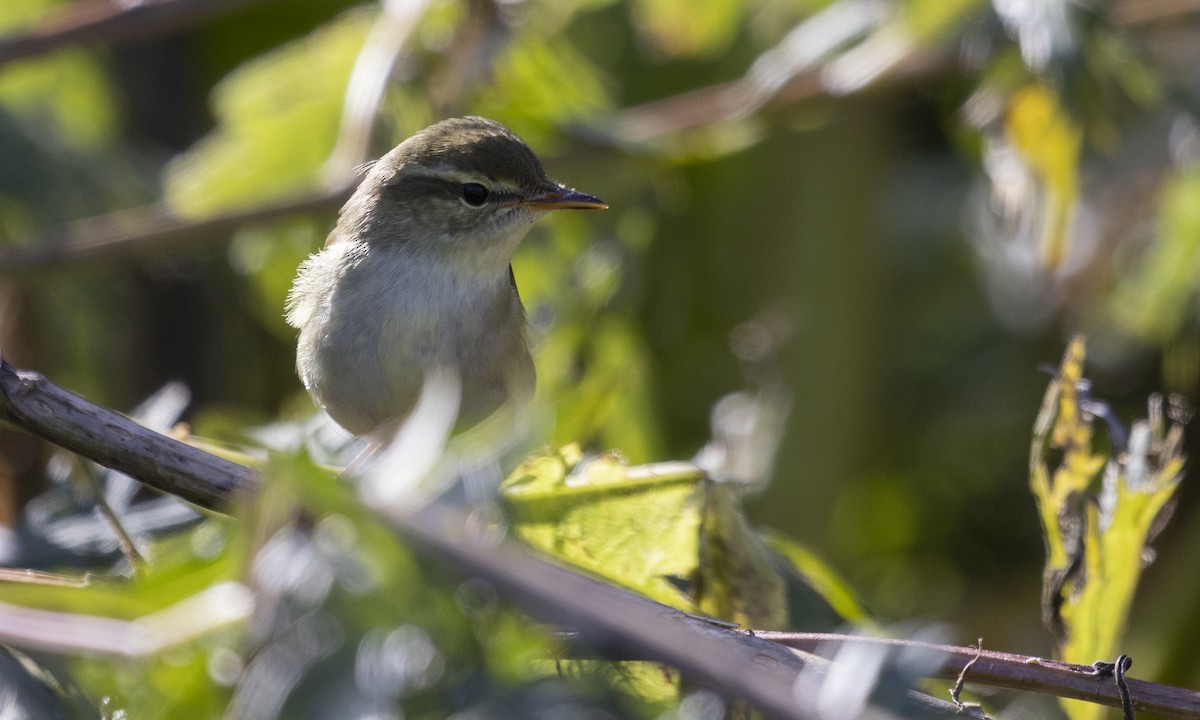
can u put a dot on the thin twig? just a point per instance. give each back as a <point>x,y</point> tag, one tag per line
<point>641,125</point>
<point>956,691</point>
<point>124,539</point>
<point>38,577</point>
<point>109,21</point>
<point>1121,666</point>
<point>1023,672</point>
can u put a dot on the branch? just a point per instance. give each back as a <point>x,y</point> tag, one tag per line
<point>991,669</point>
<point>154,227</point>
<point>33,403</point>
<point>110,21</point>
<point>1023,672</point>
<point>1145,12</point>
<point>761,667</point>
<point>607,617</point>
<point>640,125</point>
<point>616,623</point>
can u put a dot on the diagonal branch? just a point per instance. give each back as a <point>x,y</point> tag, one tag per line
<point>39,406</point>
<point>762,667</point>
<point>1024,672</point>
<point>111,21</point>
<point>153,227</point>
<point>608,617</point>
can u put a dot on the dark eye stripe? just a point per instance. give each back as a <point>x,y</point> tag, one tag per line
<point>415,187</point>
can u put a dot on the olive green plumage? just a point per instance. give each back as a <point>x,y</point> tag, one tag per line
<point>416,276</point>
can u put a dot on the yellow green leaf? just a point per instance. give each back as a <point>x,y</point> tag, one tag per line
<point>262,107</point>
<point>1155,300</point>
<point>680,28</point>
<point>65,93</point>
<point>1049,142</point>
<point>1098,514</point>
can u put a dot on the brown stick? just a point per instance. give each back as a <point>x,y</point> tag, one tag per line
<point>608,617</point>
<point>33,403</point>
<point>1023,672</point>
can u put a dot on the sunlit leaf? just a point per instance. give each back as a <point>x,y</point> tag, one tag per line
<point>642,532</point>
<point>665,531</point>
<point>65,94</point>
<point>1049,143</point>
<point>1157,298</point>
<point>678,28</point>
<point>278,117</point>
<point>1098,523</point>
<point>931,19</point>
<point>539,85</point>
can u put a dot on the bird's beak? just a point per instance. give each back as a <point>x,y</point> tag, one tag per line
<point>561,198</point>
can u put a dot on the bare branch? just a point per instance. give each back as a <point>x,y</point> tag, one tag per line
<point>610,621</point>
<point>1145,12</point>
<point>1023,672</point>
<point>615,622</point>
<point>108,21</point>
<point>641,124</point>
<point>607,617</point>
<point>153,227</point>
<point>33,403</point>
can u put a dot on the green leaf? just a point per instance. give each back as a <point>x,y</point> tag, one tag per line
<point>667,532</point>
<point>1156,299</point>
<point>1049,142</point>
<point>1096,537</point>
<point>640,531</point>
<point>661,530</point>
<point>65,94</point>
<point>679,28</point>
<point>541,83</point>
<point>278,117</point>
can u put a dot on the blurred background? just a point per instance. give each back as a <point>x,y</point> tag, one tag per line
<point>889,213</point>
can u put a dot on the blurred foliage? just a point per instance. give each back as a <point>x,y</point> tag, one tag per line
<point>1049,144</point>
<point>304,606</point>
<point>894,209</point>
<point>65,95</point>
<point>262,108</point>
<point>1097,538</point>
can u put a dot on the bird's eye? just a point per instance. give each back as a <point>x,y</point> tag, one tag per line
<point>474,194</point>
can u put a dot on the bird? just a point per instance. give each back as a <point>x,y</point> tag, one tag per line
<point>416,277</point>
